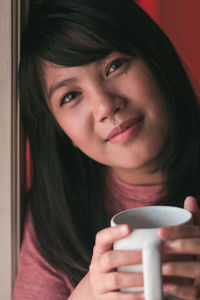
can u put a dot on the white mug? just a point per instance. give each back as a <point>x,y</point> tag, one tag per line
<point>144,223</point>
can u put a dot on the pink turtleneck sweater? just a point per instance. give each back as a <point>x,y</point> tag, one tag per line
<point>36,279</point>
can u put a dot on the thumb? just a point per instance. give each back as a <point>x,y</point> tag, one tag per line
<point>191,205</point>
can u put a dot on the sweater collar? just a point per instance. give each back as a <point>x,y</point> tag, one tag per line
<point>122,195</point>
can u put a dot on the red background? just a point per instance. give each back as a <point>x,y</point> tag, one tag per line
<point>180,19</point>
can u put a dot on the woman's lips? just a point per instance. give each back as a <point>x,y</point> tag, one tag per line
<point>125,130</point>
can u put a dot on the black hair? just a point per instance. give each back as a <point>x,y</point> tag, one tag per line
<point>67,192</point>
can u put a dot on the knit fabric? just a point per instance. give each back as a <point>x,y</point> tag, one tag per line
<point>36,279</point>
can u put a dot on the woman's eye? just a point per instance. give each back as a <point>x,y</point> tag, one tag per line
<point>68,97</point>
<point>116,64</point>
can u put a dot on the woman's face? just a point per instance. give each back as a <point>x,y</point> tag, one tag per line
<point>111,109</point>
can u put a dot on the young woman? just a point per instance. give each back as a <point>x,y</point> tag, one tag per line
<point>113,123</point>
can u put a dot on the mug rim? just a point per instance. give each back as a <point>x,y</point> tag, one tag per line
<point>187,213</point>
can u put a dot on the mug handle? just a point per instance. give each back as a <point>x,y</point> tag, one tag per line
<point>152,271</point>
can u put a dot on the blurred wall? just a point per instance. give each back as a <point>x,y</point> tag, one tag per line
<point>180,19</point>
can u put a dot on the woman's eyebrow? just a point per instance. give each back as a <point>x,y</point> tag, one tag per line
<point>58,85</point>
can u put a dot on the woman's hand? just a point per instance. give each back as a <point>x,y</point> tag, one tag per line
<point>103,281</point>
<point>183,240</point>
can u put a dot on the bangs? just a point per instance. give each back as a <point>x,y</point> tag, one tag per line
<point>69,36</point>
<point>71,47</point>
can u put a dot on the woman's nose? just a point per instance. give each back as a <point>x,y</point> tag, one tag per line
<point>107,104</point>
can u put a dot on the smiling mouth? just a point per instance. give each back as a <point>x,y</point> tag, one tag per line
<point>125,130</point>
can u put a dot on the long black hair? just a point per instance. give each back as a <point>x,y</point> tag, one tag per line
<point>67,192</point>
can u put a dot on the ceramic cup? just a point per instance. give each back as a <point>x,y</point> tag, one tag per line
<point>144,223</point>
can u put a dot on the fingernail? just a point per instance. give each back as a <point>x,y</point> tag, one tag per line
<point>165,269</point>
<point>167,287</point>
<point>161,233</point>
<point>167,246</point>
<point>124,228</point>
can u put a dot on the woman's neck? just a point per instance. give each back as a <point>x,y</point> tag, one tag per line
<point>139,177</point>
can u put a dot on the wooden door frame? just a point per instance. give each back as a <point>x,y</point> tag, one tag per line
<point>10,145</point>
